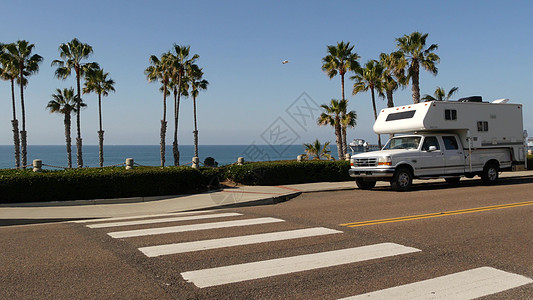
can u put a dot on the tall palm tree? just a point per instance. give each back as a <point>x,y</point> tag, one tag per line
<point>440,94</point>
<point>65,102</point>
<point>9,71</point>
<point>160,69</point>
<point>318,151</point>
<point>393,74</point>
<point>197,84</point>
<point>340,60</point>
<point>97,81</point>
<point>27,64</point>
<point>72,55</point>
<point>182,66</point>
<point>332,116</point>
<point>348,120</point>
<point>369,78</point>
<point>413,46</point>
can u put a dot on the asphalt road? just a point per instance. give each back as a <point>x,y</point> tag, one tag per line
<point>452,229</point>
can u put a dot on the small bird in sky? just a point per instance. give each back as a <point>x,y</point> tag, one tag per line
<point>285,62</point>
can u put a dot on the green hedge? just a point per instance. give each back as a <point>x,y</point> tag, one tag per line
<point>115,182</point>
<point>288,172</point>
<point>76,184</point>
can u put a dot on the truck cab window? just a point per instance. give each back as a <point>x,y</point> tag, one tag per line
<point>450,143</point>
<point>430,141</point>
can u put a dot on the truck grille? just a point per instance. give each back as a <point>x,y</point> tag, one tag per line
<point>365,162</point>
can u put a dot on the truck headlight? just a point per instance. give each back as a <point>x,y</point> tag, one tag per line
<point>385,161</point>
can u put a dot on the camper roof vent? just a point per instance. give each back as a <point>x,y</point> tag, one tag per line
<point>500,101</point>
<point>471,99</point>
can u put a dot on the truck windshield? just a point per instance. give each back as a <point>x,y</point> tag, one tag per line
<point>403,142</point>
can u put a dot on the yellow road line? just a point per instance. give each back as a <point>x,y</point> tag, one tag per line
<point>435,215</point>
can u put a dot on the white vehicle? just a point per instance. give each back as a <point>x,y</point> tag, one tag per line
<point>444,139</point>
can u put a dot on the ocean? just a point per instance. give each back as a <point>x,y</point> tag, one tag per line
<point>148,155</point>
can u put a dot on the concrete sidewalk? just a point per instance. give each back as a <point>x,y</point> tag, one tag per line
<point>227,197</point>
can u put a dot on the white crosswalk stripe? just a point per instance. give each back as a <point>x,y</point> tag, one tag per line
<point>193,227</point>
<point>154,251</point>
<point>469,284</point>
<point>141,217</point>
<point>163,220</point>
<point>267,268</point>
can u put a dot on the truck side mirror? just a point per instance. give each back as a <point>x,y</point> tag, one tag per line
<point>432,148</point>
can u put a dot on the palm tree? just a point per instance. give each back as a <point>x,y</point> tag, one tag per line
<point>27,64</point>
<point>332,116</point>
<point>96,81</point>
<point>159,69</point>
<point>369,78</point>
<point>393,74</point>
<point>181,67</point>
<point>9,71</point>
<point>414,48</point>
<point>440,94</point>
<point>340,59</point>
<point>65,102</point>
<point>72,54</point>
<point>348,120</point>
<point>318,151</point>
<point>197,84</point>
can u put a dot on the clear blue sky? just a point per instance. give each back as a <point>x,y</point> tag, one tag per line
<point>485,49</point>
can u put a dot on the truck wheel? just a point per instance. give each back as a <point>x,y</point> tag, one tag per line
<point>402,179</point>
<point>365,184</point>
<point>490,173</point>
<point>453,181</point>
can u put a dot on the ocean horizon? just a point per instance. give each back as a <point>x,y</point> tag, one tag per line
<point>149,155</point>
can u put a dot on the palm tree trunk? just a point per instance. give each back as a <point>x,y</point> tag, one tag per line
<point>375,113</point>
<point>163,127</point>
<point>15,123</point>
<point>175,141</point>
<point>195,132</point>
<point>177,94</point>
<point>342,85</point>
<point>100,133</point>
<point>338,135</point>
<point>416,83</point>
<point>344,145</point>
<point>79,153</point>
<point>390,102</point>
<point>23,134</point>
<point>68,140</point>
<point>16,142</point>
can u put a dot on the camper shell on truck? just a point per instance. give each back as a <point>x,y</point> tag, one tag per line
<point>444,139</point>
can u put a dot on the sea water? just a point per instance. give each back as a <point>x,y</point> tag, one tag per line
<point>149,155</point>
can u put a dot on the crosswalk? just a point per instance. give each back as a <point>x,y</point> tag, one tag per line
<point>468,284</point>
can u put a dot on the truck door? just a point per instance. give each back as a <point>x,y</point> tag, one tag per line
<point>430,162</point>
<point>453,156</point>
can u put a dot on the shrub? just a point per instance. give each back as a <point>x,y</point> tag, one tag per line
<point>78,184</point>
<point>288,172</point>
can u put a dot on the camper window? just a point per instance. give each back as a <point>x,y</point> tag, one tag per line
<point>450,143</point>
<point>401,115</point>
<point>482,126</point>
<point>450,114</point>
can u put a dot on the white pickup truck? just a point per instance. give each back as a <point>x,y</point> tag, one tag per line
<point>444,139</point>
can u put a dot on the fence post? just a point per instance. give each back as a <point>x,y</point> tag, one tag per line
<point>347,156</point>
<point>195,162</point>
<point>240,161</point>
<point>299,157</point>
<point>37,165</point>
<point>129,163</point>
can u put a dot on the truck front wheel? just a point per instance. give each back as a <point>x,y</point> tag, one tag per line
<point>365,184</point>
<point>402,179</point>
<point>490,173</point>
